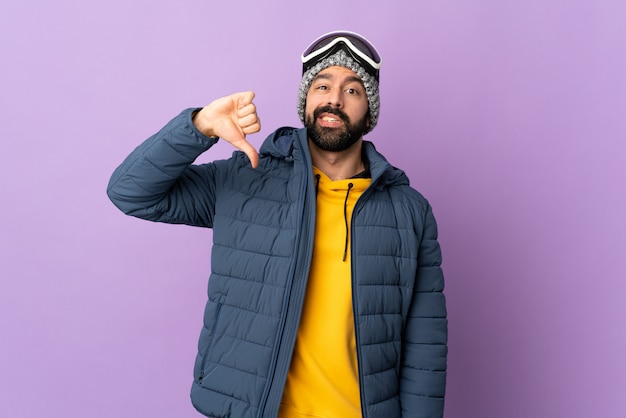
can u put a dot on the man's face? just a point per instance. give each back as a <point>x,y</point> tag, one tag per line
<point>336,111</point>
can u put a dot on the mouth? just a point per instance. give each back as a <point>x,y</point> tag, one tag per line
<point>329,120</point>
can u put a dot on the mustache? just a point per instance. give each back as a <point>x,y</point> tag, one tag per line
<point>333,110</point>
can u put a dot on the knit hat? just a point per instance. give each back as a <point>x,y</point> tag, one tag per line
<point>344,49</point>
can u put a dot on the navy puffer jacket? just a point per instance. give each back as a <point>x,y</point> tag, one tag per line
<point>263,223</point>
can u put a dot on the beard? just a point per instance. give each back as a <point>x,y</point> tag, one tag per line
<point>334,139</point>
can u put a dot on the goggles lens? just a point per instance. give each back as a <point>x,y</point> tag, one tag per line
<point>357,44</point>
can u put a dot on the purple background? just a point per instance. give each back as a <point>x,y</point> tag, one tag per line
<point>510,116</point>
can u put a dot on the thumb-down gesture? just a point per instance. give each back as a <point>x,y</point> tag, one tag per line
<point>231,118</point>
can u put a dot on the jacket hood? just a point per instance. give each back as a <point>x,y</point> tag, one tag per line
<point>281,143</point>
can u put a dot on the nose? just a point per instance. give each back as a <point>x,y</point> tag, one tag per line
<point>335,98</point>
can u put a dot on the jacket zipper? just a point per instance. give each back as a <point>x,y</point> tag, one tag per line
<point>357,207</point>
<point>298,271</point>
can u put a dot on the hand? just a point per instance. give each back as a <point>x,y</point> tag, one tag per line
<point>231,118</point>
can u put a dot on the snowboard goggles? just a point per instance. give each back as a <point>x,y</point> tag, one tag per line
<point>356,45</point>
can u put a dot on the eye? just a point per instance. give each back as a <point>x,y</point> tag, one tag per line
<point>322,87</point>
<point>352,91</point>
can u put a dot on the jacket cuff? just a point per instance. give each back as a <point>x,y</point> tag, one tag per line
<point>188,115</point>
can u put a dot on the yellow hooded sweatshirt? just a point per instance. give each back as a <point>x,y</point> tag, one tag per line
<point>323,380</point>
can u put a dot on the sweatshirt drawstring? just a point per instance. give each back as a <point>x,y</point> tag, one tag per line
<point>317,184</point>
<point>345,212</point>
<point>345,217</point>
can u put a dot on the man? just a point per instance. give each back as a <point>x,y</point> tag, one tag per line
<point>325,296</point>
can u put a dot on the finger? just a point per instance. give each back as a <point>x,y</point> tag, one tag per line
<point>252,129</point>
<point>246,110</point>
<point>248,120</point>
<point>242,144</point>
<point>244,98</point>
<point>254,158</point>
<point>252,153</point>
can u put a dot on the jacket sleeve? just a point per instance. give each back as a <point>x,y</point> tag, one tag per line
<point>158,182</point>
<point>424,351</point>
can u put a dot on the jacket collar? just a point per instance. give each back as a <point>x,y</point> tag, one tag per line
<point>281,144</point>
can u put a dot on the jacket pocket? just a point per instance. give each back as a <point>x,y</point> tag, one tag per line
<point>211,320</point>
